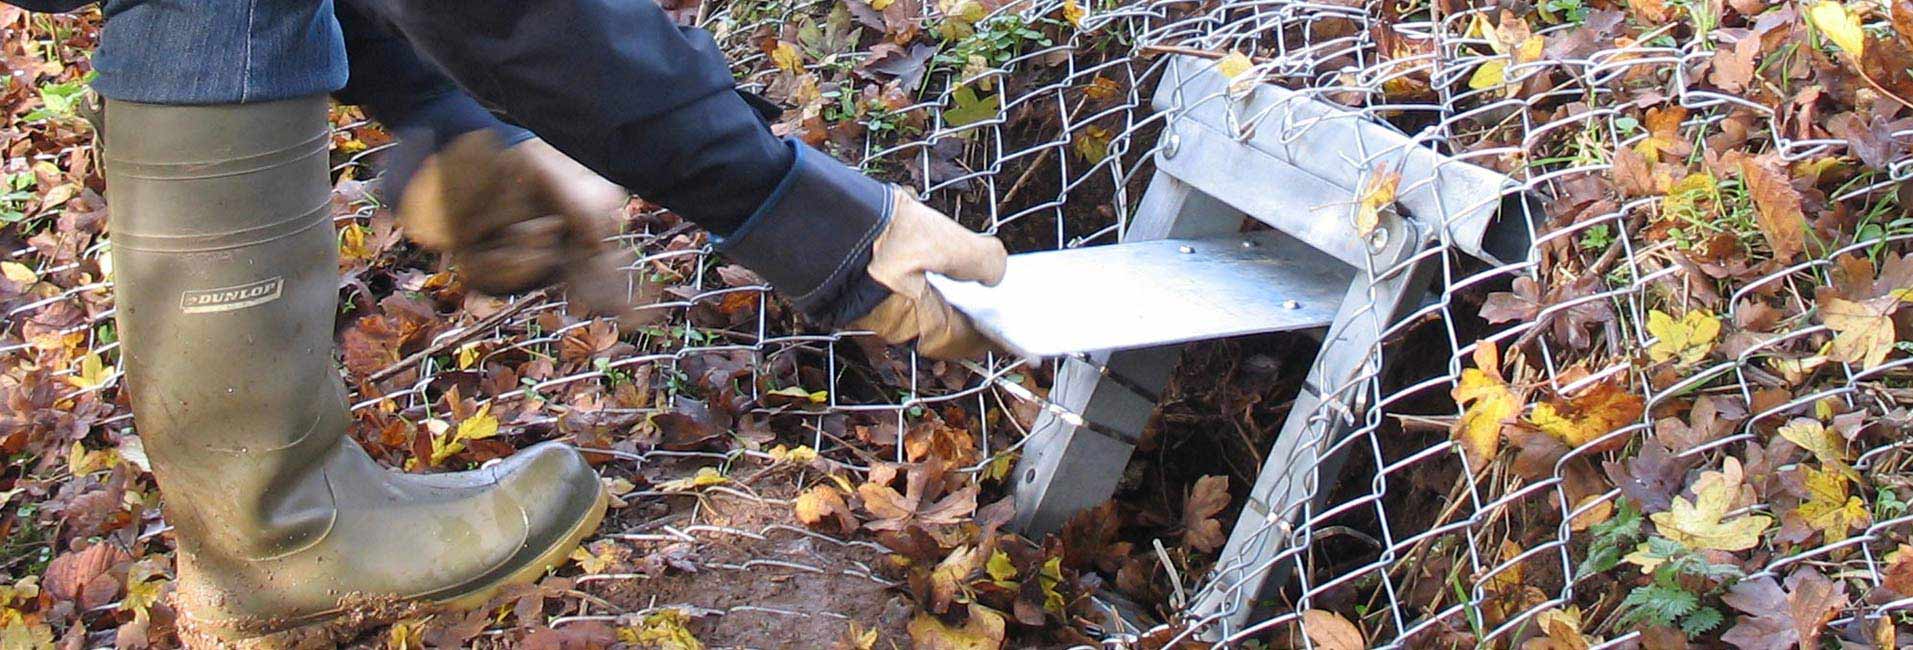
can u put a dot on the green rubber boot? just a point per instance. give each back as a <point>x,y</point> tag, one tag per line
<point>289,535</point>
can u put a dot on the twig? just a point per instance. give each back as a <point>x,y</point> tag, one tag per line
<point>1195,52</point>
<point>525,302</point>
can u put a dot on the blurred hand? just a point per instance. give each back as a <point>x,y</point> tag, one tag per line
<point>523,217</point>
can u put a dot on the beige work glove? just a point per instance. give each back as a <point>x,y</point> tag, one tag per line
<point>524,217</point>
<point>918,240</point>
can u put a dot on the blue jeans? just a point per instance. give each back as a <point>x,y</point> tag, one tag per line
<point>219,51</point>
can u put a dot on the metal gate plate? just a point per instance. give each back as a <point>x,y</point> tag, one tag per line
<point>1150,293</point>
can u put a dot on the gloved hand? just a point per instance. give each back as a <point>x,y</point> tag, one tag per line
<point>917,240</point>
<point>523,217</point>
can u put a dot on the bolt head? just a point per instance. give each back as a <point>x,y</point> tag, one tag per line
<point>1377,240</point>
<point>1185,249</point>
<point>1171,145</point>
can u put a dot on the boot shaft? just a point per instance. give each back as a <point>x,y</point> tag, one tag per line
<point>226,273</point>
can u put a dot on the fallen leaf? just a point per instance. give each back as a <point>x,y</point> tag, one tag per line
<point>1775,619</point>
<point>983,630</point>
<point>1378,193</point>
<point>1329,631</point>
<point>1776,205</point>
<point>1839,25</point>
<point>1689,339</point>
<point>1651,477</point>
<point>1200,529</point>
<point>1828,507</point>
<point>1825,444</point>
<point>821,504</point>
<point>705,477</point>
<point>1863,331</point>
<point>1560,629</point>
<point>1487,404</point>
<point>1700,524</point>
<point>1597,411</point>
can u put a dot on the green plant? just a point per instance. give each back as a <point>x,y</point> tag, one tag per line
<point>15,191</point>
<point>59,99</point>
<point>1612,538</point>
<point>1672,599</point>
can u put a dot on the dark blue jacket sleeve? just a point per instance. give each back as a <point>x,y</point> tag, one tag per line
<point>651,105</point>
<point>411,97</point>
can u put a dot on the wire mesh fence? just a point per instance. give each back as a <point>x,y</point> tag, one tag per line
<point>1416,536</point>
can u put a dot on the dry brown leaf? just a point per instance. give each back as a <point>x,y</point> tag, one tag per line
<point>1776,205</point>
<point>1200,528</point>
<point>1329,631</point>
<point>1863,331</point>
<point>823,504</point>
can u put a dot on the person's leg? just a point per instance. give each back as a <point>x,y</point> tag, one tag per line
<point>226,280</point>
<point>226,265</point>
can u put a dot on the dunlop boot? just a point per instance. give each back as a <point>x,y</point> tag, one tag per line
<point>288,534</point>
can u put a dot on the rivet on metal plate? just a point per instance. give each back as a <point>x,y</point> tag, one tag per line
<point>1185,249</point>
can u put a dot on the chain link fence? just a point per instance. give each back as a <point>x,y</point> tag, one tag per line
<point>1049,143</point>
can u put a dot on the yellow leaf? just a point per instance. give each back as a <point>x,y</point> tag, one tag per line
<point>787,58</point>
<point>1828,508</point>
<point>983,631</point>
<point>1378,193</point>
<point>1838,25</point>
<point>802,454</point>
<point>408,634</point>
<point>467,355</point>
<point>880,5</point>
<point>1700,525</point>
<point>89,371</point>
<point>352,246</point>
<point>1825,444</point>
<point>1487,404</point>
<point>819,504</point>
<point>704,477</point>
<point>1863,331</point>
<point>1329,631</point>
<point>479,426</point>
<point>18,273</point>
<point>1073,13</point>
<point>1092,143</point>
<point>1490,74</point>
<point>1529,50</point>
<point>1000,568</point>
<point>663,630</point>
<point>21,635</point>
<point>81,461</point>
<point>1590,415</point>
<point>1689,339</point>
<point>1562,628</point>
<point>1234,64</point>
<point>594,562</point>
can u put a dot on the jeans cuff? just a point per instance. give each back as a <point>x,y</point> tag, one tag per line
<point>811,239</point>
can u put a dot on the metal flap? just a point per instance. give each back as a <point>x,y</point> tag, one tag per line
<point>1143,294</point>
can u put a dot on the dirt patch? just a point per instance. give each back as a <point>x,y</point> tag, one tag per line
<point>747,572</point>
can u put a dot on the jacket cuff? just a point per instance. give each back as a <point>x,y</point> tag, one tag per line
<point>811,239</point>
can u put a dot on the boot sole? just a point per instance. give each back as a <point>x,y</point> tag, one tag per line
<point>356,614</point>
